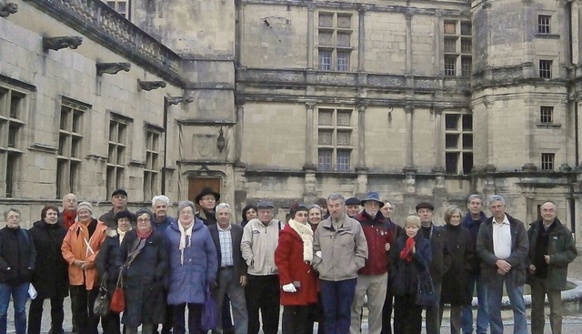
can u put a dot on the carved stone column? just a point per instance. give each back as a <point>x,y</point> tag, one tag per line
<point>361,137</point>
<point>361,38</point>
<point>408,16</point>
<point>438,23</point>
<point>240,110</point>
<point>409,138</point>
<point>310,34</point>
<point>310,129</point>
<point>439,147</point>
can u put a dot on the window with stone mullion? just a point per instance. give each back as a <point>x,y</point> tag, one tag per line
<point>12,110</point>
<point>70,147</point>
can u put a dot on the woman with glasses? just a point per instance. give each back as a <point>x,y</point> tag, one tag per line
<point>193,267</point>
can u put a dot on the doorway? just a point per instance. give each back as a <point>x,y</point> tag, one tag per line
<point>196,184</point>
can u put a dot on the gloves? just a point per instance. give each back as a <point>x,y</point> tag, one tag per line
<point>318,254</point>
<point>289,288</point>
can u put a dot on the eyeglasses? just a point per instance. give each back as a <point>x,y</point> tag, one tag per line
<point>186,212</point>
<point>143,220</point>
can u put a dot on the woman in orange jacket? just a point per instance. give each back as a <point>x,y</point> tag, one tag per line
<point>80,248</point>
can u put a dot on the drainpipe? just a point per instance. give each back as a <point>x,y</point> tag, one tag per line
<point>574,106</point>
<point>166,107</point>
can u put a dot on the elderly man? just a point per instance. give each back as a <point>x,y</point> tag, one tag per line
<point>352,207</point>
<point>69,214</point>
<point>232,270</point>
<point>551,249</point>
<point>206,201</point>
<point>340,249</point>
<point>472,222</point>
<point>502,246</point>
<point>373,277</point>
<point>118,203</point>
<point>258,245</point>
<point>441,261</point>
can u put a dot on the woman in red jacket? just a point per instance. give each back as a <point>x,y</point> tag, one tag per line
<point>293,258</point>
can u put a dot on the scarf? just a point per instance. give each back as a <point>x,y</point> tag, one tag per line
<point>69,217</point>
<point>306,234</point>
<point>144,235</point>
<point>406,253</point>
<point>185,232</point>
<point>121,235</point>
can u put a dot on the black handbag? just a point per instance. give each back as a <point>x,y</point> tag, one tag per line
<point>101,306</point>
<point>425,294</point>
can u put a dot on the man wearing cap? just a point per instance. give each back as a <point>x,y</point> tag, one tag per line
<point>373,277</point>
<point>118,203</point>
<point>352,207</point>
<point>340,250</point>
<point>206,201</point>
<point>258,245</point>
<point>441,261</point>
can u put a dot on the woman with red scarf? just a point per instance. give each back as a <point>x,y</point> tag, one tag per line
<point>143,261</point>
<point>410,256</point>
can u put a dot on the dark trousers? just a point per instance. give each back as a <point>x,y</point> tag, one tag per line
<point>111,323</point>
<point>167,325</point>
<point>86,320</point>
<point>35,315</point>
<point>387,309</point>
<point>226,317</point>
<point>407,315</point>
<point>194,317</point>
<point>262,293</point>
<point>315,315</point>
<point>337,298</point>
<point>295,319</point>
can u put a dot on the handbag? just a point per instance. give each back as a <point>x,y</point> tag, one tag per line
<point>425,294</point>
<point>209,313</point>
<point>117,303</point>
<point>101,306</point>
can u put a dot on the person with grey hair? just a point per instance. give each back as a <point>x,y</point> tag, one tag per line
<point>232,268</point>
<point>472,222</point>
<point>193,267</point>
<point>340,250</point>
<point>502,245</point>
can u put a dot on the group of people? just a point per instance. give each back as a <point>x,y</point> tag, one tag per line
<point>320,264</point>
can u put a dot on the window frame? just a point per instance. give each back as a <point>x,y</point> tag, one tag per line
<point>545,68</point>
<point>334,47</point>
<point>458,134</point>
<point>115,170</point>
<point>331,154</point>
<point>547,161</point>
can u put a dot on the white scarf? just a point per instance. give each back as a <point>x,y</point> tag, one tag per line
<point>185,232</point>
<point>306,234</point>
<point>121,235</point>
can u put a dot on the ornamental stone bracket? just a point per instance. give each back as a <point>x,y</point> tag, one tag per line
<point>7,9</point>
<point>61,42</point>
<point>112,68</point>
<point>149,85</point>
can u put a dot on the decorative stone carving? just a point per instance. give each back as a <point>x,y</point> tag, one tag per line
<point>7,9</point>
<point>174,100</point>
<point>112,68</point>
<point>149,85</point>
<point>61,42</point>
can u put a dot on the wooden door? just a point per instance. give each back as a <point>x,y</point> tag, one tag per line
<point>196,184</point>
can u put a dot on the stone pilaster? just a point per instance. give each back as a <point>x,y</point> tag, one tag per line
<point>310,128</point>
<point>408,16</point>
<point>409,137</point>
<point>440,147</point>
<point>361,38</point>
<point>361,137</point>
<point>239,131</point>
<point>310,34</point>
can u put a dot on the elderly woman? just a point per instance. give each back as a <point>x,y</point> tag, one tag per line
<point>17,257</point>
<point>107,264</point>
<point>193,267</point>
<point>459,242</point>
<point>80,249</point>
<point>50,275</point>
<point>143,263</point>
<point>410,256</point>
<point>298,280</point>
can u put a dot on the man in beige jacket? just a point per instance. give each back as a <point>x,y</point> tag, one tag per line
<point>340,250</point>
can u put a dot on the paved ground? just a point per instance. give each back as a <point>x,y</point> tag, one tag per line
<point>572,318</point>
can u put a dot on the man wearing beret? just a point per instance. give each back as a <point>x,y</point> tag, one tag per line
<point>352,207</point>
<point>118,203</point>
<point>441,260</point>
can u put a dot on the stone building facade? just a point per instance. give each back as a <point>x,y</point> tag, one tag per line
<point>292,100</point>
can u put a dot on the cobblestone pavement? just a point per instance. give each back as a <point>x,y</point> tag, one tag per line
<point>572,317</point>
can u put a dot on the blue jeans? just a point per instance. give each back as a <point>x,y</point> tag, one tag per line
<point>482,321</point>
<point>336,299</point>
<point>515,294</point>
<point>19,295</point>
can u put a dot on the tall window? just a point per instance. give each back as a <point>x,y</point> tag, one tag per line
<point>544,22</point>
<point>548,161</point>
<point>70,147</point>
<point>334,139</point>
<point>151,170</point>
<point>12,110</point>
<point>545,69</point>
<point>116,159</point>
<point>458,48</point>
<point>458,143</point>
<point>546,115</point>
<point>120,6</point>
<point>334,41</point>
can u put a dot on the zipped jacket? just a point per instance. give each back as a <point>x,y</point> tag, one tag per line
<point>378,234</point>
<point>258,245</point>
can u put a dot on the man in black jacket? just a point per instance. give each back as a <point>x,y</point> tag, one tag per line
<point>551,249</point>
<point>17,259</point>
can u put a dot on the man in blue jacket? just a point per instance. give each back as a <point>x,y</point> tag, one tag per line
<point>472,221</point>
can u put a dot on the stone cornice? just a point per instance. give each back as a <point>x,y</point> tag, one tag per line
<point>96,20</point>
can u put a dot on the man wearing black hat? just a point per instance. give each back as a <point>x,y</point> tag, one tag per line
<point>441,260</point>
<point>373,277</point>
<point>118,203</point>
<point>352,207</point>
<point>206,201</point>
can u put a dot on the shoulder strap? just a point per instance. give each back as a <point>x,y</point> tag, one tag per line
<point>25,234</point>
<point>279,223</point>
